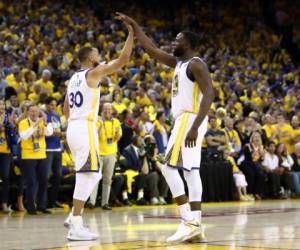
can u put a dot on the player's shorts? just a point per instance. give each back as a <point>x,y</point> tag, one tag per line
<point>179,156</point>
<point>82,138</point>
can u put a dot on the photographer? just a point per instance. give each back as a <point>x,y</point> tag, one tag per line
<point>132,163</point>
<point>156,186</point>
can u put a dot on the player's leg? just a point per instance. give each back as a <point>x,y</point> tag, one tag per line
<point>188,228</point>
<point>176,186</point>
<point>85,182</point>
<point>195,192</point>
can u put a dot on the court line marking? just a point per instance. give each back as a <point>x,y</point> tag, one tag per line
<point>163,244</point>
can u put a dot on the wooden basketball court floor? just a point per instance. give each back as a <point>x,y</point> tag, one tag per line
<point>234,226</point>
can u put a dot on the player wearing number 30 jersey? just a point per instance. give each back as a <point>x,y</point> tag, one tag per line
<point>81,108</point>
<point>82,132</point>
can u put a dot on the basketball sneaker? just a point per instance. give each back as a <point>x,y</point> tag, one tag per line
<point>187,231</point>
<point>67,221</point>
<point>78,232</point>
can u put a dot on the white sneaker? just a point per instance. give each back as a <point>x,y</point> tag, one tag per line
<point>154,201</point>
<point>78,232</point>
<point>68,220</point>
<point>250,197</point>
<point>187,231</point>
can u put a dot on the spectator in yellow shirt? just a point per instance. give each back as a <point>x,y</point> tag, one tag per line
<point>19,85</point>
<point>296,130</point>
<point>34,162</point>
<point>269,127</point>
<point>283,132</point>
<point>110,132</point>
<point>118,105</point>
<point>45,82</point>
<point>5,155</point>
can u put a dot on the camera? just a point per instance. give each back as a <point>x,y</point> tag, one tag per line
<point>150,146</point>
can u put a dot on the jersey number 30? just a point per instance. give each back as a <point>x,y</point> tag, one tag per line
<point>76,99</point>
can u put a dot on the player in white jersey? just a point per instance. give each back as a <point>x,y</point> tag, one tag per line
<point>192,95</point>
<point>81,108</point>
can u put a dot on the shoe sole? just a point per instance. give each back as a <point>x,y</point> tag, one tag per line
<point>197,238</point>
<point>194,236</point>
<point>80,239</point>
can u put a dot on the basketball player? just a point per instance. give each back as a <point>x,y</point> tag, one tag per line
<point>192,95</point>
<point>81,108</point>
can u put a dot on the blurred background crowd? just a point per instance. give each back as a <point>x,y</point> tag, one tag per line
<point>251,49</point>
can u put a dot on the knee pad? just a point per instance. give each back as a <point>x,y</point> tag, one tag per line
<point>194,184</point>
<point>85,183</point>
<point>174,180</point>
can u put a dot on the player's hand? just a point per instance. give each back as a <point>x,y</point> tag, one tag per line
<point>126,21</point>
<point>191,138</point>
<point>124,18</point>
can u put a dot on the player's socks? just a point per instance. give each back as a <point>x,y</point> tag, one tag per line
<point>197,216</point>
<point>185,212</point>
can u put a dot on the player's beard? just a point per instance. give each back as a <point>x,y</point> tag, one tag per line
<point>178,52</point>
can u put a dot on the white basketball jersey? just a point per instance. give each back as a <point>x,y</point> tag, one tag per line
<point>83,100</point>
<point>186,95</point>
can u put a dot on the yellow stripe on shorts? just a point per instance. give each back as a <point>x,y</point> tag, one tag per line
<point>91,132</point>
<point>179,139</point>
<point>196,92</point>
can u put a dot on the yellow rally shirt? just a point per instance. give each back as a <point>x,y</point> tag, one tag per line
<point>27,146</point>
<point>107,136</point>
<point>4,149</point>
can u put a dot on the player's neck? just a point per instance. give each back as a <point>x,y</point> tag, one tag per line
<point>187,56</point>
<point>86,66</point>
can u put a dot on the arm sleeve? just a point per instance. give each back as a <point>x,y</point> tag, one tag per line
<point>25,134</point>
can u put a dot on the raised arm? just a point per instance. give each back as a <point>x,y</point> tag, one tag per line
<point>148,44</point>
<point>95,75</point>
<point>199,71</point>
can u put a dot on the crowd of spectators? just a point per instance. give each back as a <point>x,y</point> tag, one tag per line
<point>254,122</point>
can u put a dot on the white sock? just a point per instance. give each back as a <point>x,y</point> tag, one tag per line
<point>140,194</point>
<point>185,212</point>
<point>125,195</point>
<point>197,215</point>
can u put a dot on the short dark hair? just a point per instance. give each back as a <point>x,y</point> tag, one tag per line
<point>212,118</point>
<point>192,38</point>
<point>159,114</point>
<point>269,143</point>
<point>134,138</point>
<point>83,53</point>
<point>49,100</point>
